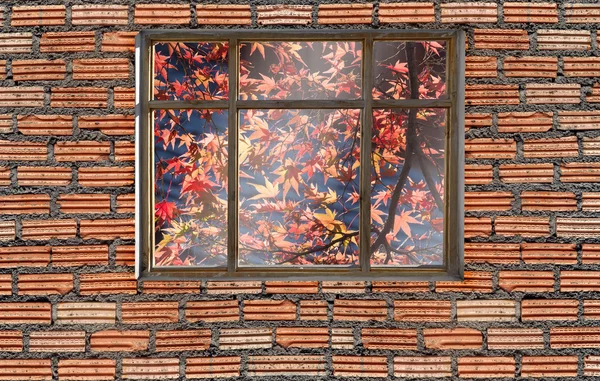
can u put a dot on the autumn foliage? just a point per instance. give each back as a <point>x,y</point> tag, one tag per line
<point>299,169</point>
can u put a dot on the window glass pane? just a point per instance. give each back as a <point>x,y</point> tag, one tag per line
<point>407,187</point>
<point>299,185</point>
<point>390,69</point>
<point>300,70</point>
<point>190,165</point>
<point>191,71</point>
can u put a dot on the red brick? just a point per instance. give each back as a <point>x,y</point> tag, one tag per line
<point>475,281</point>
<point>7,230</point>
<point>360,366</point>
<point>212,367</point>
<point>481,67</point>
<point>25,313</point>
<point>502,39</point>
<point>283,14</point>
<point>118,41</point>
<point>150,368</point>
<point>124,151</point>
<point>269,310</point>
<point>593,94</point>
<point>579,280</point>
<point>345,13</point>
<point>303,365</point>
<point>107,283</point>
<point>119,341</point>
<point>86,369</point>
<point>591,310</point>
<point>478,120</point>
<point>342,338</point>
<point>401,287</point>
<point>485,148</point>
<point>526,281</point>
<point>11,341</point>
<point>108,124</point>
<point>92,97</point>
<point>150,312</point>
<point>124,97</point>
<point>532,201</point>
<point>591,146</point>
<point>190,340</point>
<point>125,255</point>
<point>422,310</point>
<point>554,253</point>
<point>84,203</point>
<point>527,173</point>
<point>57,341</point>
<point>579,120</point>
<point>246,287</point>
<point>31,370</point>
<point>45,124</point>
<point>4,176</point>
<point>45,284</point>
<point>524,121</point>
<point>164,287</point>
<point>313,310</point>
<point>223,14</point>
<point>521,12</point>
<point>549,366</point>
<point>86,313</point>
<point>457,338</point>
<point>406,12</point>
<point>534,67</point>
<point>578,227</point>
<point>80,255</point>
<point>479,201</point>
<point>343,287</point>
<point>81,151</point>
<point>423,367</point>
<point>23,151</point>
<point>16,43</point>
<point>522,226</point>
<point>471,12</point>
<point>107,229</point>
<point>478,174</point>
<point>590,253</point>
<point>106,176</point>
<point>295,287</point>
<point>235,339</point>
<point>68,42</point>
<point>574,337</point>
<point>359,310</point>
<point>486,367</point>
<point>44,176</point>
<point>486,310</point>
<point>491,95</point>
<point>126,203</point>
<point>6,124</point>
<point>554,39</point>
<point>302,337</point>
<point>24,256</point>
<point>576,13</point>
<point>493,253</point>
<point>212,311</point>
<point>549,309</point>
<point>48,229</point>
<point>538,93</point>
<point>21,96</point>
<point>99,14</point>
<point>101,69</point>
<point>478,227</point>
<point>6,284</point>
<point>160,13</point>
<point>39,70</point>
<point>392,339</point>
<point>25,204</point>
<point>38,15</point>
<point>581,66</point>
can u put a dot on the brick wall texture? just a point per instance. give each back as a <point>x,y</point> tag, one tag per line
<point>71,309</point>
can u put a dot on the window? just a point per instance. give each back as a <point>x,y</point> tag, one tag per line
<point>300,154</point>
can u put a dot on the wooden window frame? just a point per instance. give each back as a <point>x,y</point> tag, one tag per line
<point>452,269</point>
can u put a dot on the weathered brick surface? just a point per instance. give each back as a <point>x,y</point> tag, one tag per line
<point>72,309</point>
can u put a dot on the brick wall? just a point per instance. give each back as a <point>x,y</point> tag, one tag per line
<point>71,309</point>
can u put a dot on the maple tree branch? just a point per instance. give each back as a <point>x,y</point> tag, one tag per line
<point>411,142</point>
<point>423,161</point>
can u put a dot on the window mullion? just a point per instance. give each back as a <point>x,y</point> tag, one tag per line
<point>365,157</point>
<point>232,183</point>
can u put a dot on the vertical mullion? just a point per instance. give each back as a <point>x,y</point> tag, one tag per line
<point>232,182</point>
<point>365,157</point>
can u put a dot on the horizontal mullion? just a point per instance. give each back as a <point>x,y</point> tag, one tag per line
<point>412,103</point>
<point>182,105</point>
<point>299,104</point>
